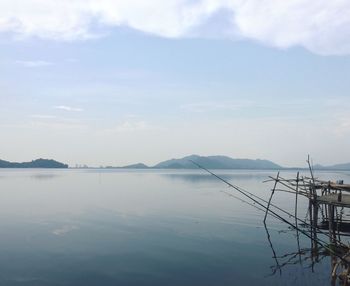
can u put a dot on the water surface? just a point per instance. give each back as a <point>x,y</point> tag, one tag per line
<point>152,227</point>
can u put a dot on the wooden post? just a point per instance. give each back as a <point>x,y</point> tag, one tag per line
<point>315,219</point>
<point>316,214</point>
<point>310,207</point>
<point>296,215</point>
<point>339,196</point>
<point>296,201</point>
<point>331,223</point>
<point>273,191</point>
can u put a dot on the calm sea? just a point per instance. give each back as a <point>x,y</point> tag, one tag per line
<point>157,227</point>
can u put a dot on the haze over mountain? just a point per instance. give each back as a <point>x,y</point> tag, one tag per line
<point>339,167</point>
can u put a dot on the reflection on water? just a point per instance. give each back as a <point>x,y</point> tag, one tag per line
<point>309,257</point>
<point>196,177</point>
<point>38,176</point>
<point>122,227</point>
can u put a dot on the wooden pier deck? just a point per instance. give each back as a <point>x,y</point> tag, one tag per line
<point>333,199</point>
<point>340,187</point>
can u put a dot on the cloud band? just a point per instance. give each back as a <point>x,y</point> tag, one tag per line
<point>321,26</point>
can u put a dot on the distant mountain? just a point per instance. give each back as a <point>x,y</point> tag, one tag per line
<point>338,167</point>
<point>136,166</point>
<point>39,163</point>
<point>216,162</point>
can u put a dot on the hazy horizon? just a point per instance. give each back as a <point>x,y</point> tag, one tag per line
<point>103,83</point>
<point>305,165</point>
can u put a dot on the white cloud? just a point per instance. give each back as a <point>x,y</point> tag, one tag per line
<point>68,108</point>
<point>321,26</point>
<point>209,106</point>
<point>34,64</point>
<point>55,124</point>
<point>42,116</point>
<point>131,126</point>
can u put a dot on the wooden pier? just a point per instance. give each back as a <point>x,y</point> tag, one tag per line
<point>326,224</point>
<point>328,201</point>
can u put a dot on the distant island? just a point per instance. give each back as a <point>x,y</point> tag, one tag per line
<point>225,162</point>
<point>39,163</point>
<point>210,162</point>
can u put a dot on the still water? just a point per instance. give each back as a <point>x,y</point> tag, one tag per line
<point>147,227</point>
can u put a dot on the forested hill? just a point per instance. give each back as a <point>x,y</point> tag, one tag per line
<point>39,163</point>
<point>211,162</point>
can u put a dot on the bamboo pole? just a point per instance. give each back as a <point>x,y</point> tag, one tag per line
<point>257,200</point>
<point>272,192</point>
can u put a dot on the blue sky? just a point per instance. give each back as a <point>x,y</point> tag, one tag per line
<point>101,90</point>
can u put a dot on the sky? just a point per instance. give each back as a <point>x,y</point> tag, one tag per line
<point>116,82</point>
